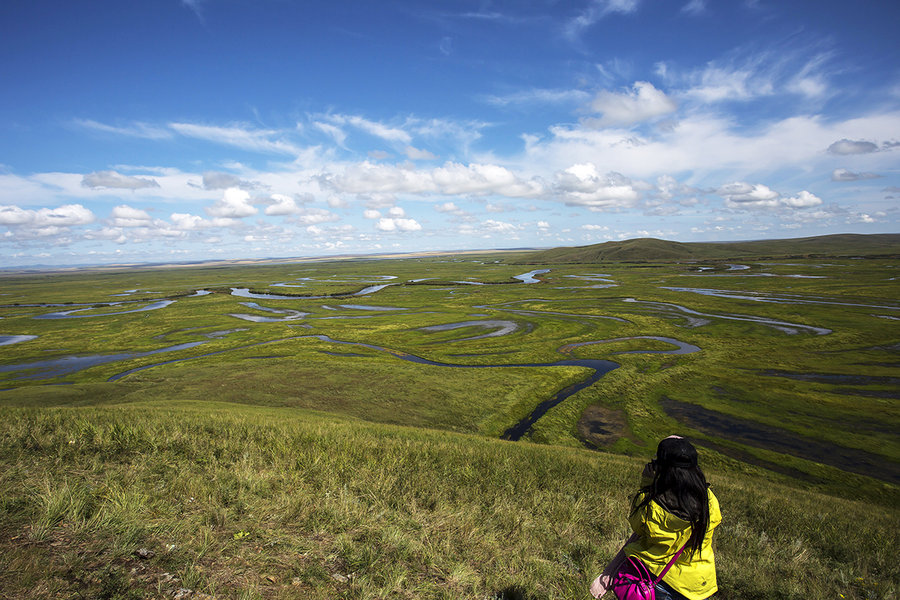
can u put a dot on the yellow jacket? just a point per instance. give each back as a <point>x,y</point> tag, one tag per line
<point>661,534</point>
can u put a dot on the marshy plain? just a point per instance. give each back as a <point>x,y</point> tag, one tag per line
<point>447,427</point>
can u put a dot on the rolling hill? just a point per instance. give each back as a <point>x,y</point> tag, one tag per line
<point>651,249</point>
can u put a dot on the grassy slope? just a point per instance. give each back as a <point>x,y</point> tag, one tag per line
<point>645,249</point>
<point>253,502</point>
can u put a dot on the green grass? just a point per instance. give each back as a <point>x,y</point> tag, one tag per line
<point>281,503</point>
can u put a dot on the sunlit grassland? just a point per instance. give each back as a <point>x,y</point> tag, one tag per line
<point>282,465</point>
<point>244,501</point>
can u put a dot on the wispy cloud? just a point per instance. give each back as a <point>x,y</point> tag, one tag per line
<point>539,96</point>
<point>246,138</point>
<point>374,128</point>
<point>139,130</point>
<point>694,7</point>
<point>597,10</point>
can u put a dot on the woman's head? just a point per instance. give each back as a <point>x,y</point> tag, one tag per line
<point>675,451</point>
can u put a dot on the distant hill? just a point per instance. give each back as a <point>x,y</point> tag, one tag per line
<point>651,249</point>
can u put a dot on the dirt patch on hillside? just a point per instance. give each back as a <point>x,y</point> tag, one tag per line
<point>600,426</point>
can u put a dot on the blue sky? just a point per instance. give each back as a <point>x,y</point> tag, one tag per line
<point>178,130</point>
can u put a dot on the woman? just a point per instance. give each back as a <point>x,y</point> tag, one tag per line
<point>673,509</point>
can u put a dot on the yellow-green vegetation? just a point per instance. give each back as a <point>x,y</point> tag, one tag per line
<point>307,454</point>
<point>251,502</point>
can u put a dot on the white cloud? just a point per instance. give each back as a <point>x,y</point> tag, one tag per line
<point>397,211</point>
<point>282,205</point>
<point>539,96</point>
<point>113,234</point>
<point>745,195</point>
<point>643,102</point>
<point>694,7</point>
<point>315,216</point>
<point>370,213</point>
<point>188,222</point>
<point>139,130</point>
<point>374,128</point>
<point>13,215</point>
<point>717,84</point>
<point>417,154</point>
<point>333,131</point>
<point>64,216</point>
<point>113,180</point>
<point>597,10</point>
<point>803,200</point>
<point>846,146</point>
<point>126,216</point>
<point>257,140</point>
<point>234,204</point>
<point>216,180</point>
<point>449,179</point>
<point>847,175</point>
<point>582,185</point>
<point>543,225</point>
<point>386,224</point>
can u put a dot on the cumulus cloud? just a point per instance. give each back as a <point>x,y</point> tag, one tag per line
<point>126,216</point>
<point>397,211</point>
<point>371,213</point>
<point>741,194</point>
<point>501,227</point>
<point>45,221</point>
<point>641,103</point>
<point>583,185</point>
<point>282,205</point>
<point>114,234</point>
<point>406,225</point>
<point>235,204</point>
<point>449,179</point>
<point>802,200</point>
<point>216,180</point>
<point>188,222</point>
<point>114,180</point>
<point>847,175</point>
<point>846,146</point>
<point>13,215</point>
<point>315,216</point>
<point>450,208</point>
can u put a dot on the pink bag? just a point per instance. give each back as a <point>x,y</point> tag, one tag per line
<point>634,581</point>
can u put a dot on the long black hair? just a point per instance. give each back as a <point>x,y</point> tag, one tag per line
<point>679,486</point>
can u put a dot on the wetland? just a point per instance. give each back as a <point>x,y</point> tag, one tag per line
<point>434,390</point>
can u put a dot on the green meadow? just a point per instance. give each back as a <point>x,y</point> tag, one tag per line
<point>337,443</point>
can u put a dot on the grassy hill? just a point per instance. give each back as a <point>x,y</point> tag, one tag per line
<point>205,499</point>
<point>651,249</point>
